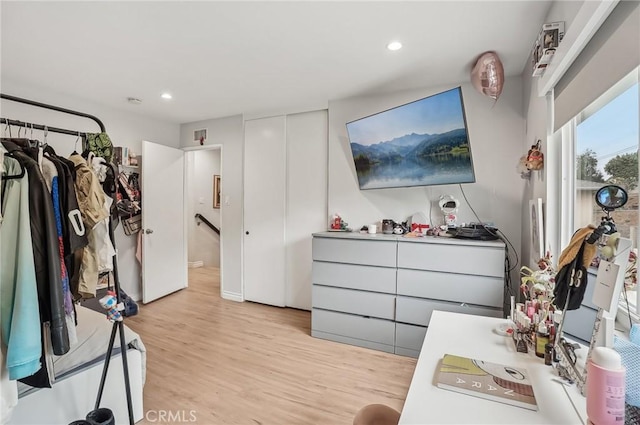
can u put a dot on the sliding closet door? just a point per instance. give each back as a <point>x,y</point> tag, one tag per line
<point>306,199</point>
<point>264,210</point>
<point>164,255</point>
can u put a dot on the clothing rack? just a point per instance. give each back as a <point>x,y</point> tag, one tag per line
<point>118,326</point>
<point>53,108</point>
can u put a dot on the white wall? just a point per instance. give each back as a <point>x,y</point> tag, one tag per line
<point>229,133</point>
<point>535,129</point>
<point>538,121</point>
<point>495,133</point>
<point>124,129</point>
<point>204,243</point>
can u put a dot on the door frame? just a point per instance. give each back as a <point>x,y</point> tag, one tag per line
<point>185,189</point>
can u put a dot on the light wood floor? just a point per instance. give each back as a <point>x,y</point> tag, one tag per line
<point>247,363</point>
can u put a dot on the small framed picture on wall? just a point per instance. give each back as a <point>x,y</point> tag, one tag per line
<point>216,191</point>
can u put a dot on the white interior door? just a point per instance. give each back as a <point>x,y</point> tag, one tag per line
<point>264,211</point>
<point>164,255</point>
<point>306,199</point>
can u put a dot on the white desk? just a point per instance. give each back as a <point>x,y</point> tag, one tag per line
<point>473,336</point>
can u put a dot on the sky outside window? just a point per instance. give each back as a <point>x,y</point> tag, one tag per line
<point>612,130</point>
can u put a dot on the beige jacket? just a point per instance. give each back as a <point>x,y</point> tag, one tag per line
<point>91,201</point>
<point>89,193</point>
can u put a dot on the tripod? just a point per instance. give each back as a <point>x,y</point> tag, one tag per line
<point>118,326</point>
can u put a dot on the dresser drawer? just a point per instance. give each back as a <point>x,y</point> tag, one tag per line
<point>366,252</point>
<point>418,311</point>
<point>481,290</point>
<point>351,326</point>
<point>367,278</point>
<point>464,259</point>
<point>355,302</point>
<point>409,336</point>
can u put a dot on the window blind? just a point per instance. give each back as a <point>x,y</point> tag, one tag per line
<point>611,54</point>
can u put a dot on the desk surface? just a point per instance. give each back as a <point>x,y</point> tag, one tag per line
<point>473,336</point>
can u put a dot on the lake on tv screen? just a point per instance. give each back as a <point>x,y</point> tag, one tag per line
<point>435,170</point>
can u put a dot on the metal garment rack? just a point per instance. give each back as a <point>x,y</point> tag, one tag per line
<point>117,326</point>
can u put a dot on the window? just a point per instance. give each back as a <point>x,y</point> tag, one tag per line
<point>606,152</point>
<point>600,147</point>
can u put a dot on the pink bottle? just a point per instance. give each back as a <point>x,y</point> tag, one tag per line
<point>605,387</point>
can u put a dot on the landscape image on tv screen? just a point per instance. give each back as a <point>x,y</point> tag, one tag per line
<point>421,143</point>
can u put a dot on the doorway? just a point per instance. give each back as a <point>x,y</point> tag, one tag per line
<point>203,182</point>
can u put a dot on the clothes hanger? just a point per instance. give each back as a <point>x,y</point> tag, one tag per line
<point>17,176</point>
<point>22,170</point>
<point>29,140</point>
<point>7,128</point>
<point>23,142</point>
<point>44,144</point>
<point>75,145</point>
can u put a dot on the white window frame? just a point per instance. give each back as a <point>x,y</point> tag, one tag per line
<point>561,179</point>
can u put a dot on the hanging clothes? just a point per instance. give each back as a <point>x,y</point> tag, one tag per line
<point>89,193</point>
<point>45,250</point>
<point>74,234</point>
<point>101,145</point>
<point>19,310</point>
<point>50,173</point>
<point>95,210</point>
<point>52,210</point>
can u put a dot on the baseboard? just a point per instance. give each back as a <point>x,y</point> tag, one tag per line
<point>196,264</point>
<point>233,296</point>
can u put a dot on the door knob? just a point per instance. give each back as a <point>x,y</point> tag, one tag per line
<point>148,231</point>
<point>247,232</point>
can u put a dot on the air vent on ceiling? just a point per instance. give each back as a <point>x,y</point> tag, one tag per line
<point>200,136</point>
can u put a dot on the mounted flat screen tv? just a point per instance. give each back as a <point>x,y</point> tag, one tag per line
<point>421,143</point>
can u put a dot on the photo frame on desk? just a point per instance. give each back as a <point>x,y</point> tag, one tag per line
<point>536,230</point>
<point>216,191</point>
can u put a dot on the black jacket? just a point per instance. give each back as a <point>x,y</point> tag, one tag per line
<point>46,254</point>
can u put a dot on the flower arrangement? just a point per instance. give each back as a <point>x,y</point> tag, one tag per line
<point>538,284</point>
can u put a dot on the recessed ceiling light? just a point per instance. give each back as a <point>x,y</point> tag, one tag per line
<point>166,96</point>
<point>394,45</point>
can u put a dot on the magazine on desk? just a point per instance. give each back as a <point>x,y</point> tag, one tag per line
<point>501,383</point>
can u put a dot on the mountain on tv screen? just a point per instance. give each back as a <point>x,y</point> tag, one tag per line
<point>421,143</point>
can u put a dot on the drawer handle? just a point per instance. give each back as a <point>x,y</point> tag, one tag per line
<point>464,305</point>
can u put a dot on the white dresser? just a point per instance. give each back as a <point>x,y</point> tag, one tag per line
<point>378,291</point>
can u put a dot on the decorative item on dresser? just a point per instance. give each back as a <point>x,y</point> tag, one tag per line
<point>378,291</point>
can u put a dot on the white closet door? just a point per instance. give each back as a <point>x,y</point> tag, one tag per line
<point>306,199</point>
<point>264,210</point>
<point>164,255</point>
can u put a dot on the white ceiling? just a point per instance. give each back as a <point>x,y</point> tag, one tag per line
<point>225,58</point>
